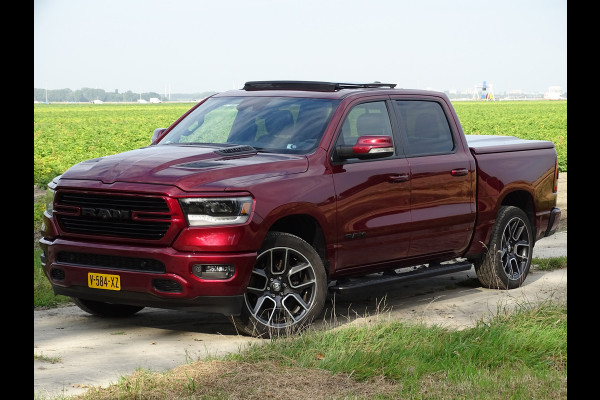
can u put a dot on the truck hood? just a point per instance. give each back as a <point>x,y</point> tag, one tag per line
<point>190,168</point>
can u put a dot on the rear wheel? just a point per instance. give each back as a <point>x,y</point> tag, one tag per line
<point>287,289</point>
<point>102,309</point>
<point>508,258</point>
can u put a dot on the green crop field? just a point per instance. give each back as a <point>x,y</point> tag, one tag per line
<point>65,134</point>
<point>540,120</point>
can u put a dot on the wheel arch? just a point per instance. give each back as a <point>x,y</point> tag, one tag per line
<point>521,199</point>
<point>307,228</point>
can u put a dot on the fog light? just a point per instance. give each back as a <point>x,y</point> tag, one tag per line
<point>213,271</point>
<point>57,274</point>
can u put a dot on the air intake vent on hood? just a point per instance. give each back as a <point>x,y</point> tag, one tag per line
<point>234,151</point>
<point>199,165</point>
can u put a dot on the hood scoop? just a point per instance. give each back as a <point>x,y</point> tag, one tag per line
<point>199,165</point>
<point>237,150</point>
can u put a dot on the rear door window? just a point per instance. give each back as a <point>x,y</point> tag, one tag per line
<point>425,127</point>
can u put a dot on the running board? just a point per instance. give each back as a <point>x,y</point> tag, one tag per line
<point>368,281</point>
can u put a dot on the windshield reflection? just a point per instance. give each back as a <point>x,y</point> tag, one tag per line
<point>272,124</point>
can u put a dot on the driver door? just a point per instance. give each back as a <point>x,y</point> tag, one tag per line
<point>372,196</point>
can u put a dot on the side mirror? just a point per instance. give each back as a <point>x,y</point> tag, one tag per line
<point>156,134</point>
<point>367,147</point>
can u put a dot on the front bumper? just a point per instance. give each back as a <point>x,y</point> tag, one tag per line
<point>67,263</point>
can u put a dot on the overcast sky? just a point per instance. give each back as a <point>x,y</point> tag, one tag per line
<point>199,45</point>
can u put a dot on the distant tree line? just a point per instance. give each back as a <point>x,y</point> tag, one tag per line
<point>89,94</point>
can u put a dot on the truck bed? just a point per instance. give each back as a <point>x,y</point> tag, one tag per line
<point>481,144</point>
<point>498,159</point>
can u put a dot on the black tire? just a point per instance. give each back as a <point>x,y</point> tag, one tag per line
<point>287,289</point>
<point>508,257</point>
<point>102,309</point>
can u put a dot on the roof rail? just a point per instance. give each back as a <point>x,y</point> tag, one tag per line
<point>365,85</point>
<point>311,85</point>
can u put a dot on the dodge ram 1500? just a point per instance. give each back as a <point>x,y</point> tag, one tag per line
<point>258,202</point>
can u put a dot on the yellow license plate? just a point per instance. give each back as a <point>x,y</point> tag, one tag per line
<point>104,281</point>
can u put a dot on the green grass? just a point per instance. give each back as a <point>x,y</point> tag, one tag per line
<point>549,264</point>
<point>520,354</point>
<point>530,343</point>
<point>51,360</point>
<point>43,296</point>
<point>405,352</point>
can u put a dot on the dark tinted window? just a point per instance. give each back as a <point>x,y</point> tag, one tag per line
<point>425,126</point>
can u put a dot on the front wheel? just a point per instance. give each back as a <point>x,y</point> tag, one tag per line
<point>287,289</point>
<point>508,257</point>
<point>102,309</point>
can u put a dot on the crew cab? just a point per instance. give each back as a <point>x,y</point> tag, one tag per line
<point>259,202</point>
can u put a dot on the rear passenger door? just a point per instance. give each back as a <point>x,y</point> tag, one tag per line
<point>441,176</point>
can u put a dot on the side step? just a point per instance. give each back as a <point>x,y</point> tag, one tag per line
<point>393,277</point>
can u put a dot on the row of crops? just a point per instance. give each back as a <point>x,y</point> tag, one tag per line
<point>65,134</point>
<point>539,120</point>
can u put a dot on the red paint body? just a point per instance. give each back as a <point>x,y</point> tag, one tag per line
<point>364,216</point>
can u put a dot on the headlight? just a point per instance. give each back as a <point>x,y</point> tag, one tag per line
<point>50,200</point>
<point>209,211</point>
<point>50,192</point>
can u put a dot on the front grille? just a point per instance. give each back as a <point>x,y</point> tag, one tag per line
<point>111,215</point>
<point>111,262</point>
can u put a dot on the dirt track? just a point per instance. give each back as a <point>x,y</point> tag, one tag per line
<point>94,351</point>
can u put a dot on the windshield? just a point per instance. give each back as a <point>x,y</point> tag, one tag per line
<point>272,124</point>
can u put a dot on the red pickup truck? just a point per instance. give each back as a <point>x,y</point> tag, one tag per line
<point>258,202</point>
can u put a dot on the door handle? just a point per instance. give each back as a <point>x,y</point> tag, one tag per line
<point>398,178</point>
<point>459,172</point>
